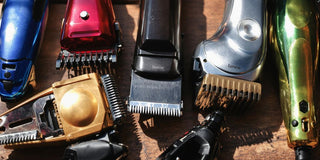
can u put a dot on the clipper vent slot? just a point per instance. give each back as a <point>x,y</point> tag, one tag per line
<point>304,125</point>
<point>20,122</point>
<point>8,66</point>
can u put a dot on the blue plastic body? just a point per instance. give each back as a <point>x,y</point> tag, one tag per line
<point>22,26</point>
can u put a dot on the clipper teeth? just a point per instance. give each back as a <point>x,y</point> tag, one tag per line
<point>86,61</point>
<point>230,93</point>
<point>161,109</point>
<point>19,137</point>
<point>116,104</point>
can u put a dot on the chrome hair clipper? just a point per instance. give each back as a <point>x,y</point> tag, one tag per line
<point>226,64</point>
<point>294,36</point>
<point>200,143</point>
<point>90,37</point>
<point>69,111</point>
<point>156,72</point>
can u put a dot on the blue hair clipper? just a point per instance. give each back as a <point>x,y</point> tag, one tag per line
<point>22,27</point>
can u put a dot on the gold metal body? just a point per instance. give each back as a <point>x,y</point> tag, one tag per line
<point>81,109</point>
<point>294,35</point>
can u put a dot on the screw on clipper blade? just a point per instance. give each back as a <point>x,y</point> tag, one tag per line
<point>200,143</point>
<point>116,104</point>
<point>49,117</point>
<point>238,51</point>
<point>226,92</point>
<point>294,38</point>
<point>21,35</point>
<point>90,37</point>
<point>156,77</point>
<point>19,137</point>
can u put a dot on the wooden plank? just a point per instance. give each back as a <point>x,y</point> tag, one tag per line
<point>257,134</point>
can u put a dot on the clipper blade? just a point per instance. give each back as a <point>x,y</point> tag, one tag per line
<point>155,97</point>
<point>116,104</point>
<point>161,109</point>
<point>19,137</point>
<point>229,93</point>
<point>86,61</point>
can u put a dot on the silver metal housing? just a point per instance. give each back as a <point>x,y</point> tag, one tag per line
<point>238,48</point>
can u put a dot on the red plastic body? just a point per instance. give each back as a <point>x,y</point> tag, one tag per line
<point>96,32</point>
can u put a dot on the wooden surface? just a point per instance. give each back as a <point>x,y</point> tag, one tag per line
<point>257,134</point>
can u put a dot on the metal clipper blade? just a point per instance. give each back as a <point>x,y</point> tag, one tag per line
<point>155,97</point>
<point>116,104</point>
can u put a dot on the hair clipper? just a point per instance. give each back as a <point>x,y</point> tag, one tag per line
<point>72,110</point>
<point>22,28</point>
<point>156,77</point>
<point>294,36</point>
<point>90,37</point>
<point>226,64</point>
<point>69,110</point>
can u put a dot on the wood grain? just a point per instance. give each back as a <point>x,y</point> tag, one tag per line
<point>257,134</point>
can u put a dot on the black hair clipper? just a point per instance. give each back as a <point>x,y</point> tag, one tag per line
<point>156,78</point>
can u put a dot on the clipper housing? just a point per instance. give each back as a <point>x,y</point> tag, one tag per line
<point>90,37</point>
<point>226,64</point>
<point>156,78</point>
<point>22,28</point>
<point>294,37</point>
<point>200,143</point>
<point>70,110</point>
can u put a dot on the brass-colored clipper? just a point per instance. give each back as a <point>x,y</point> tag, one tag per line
<point>71,109</point>
<point>226,92</point>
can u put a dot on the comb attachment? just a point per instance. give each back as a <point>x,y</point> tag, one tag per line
<point>115,102</point>
<point>228,93</point>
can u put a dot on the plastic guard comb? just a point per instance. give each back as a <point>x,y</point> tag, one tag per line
<point>227,92</point>
<point>90,37</point>
<point>69,110</point>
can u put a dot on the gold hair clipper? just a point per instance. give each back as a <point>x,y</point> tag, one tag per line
<point>294,36</point>
<point>70,110</point>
